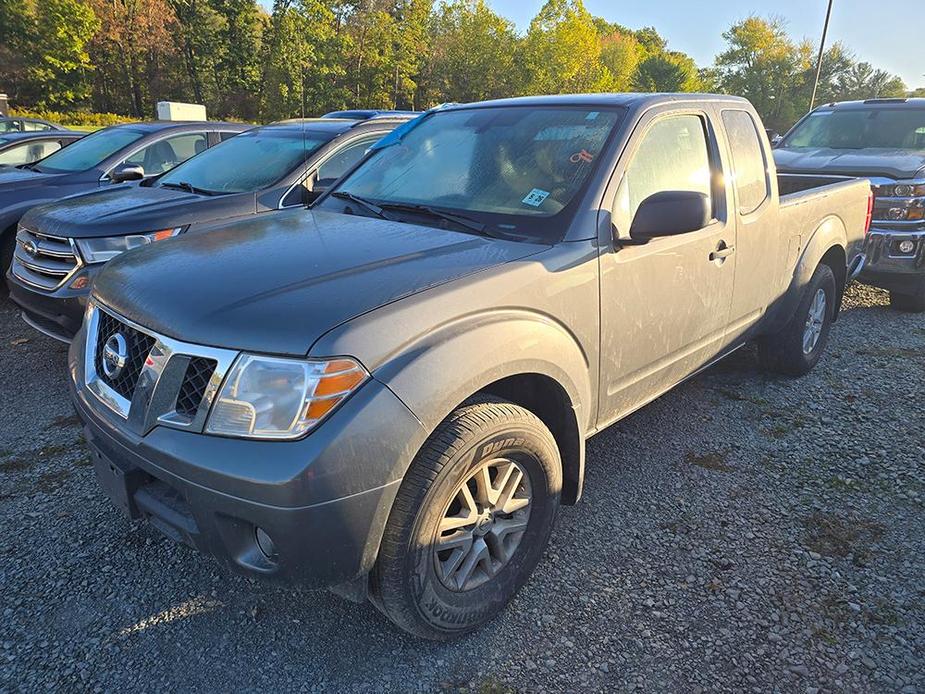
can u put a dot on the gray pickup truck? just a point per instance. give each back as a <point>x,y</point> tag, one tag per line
<point>389,394</point>
<point>882,140</point>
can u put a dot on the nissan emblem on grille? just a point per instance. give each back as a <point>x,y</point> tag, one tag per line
<point>31,247</point>
<point>115,354</point>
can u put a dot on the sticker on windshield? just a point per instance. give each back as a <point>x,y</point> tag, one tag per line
<point>535,197</point>
<point>582,156</point>
<point>593,115</point>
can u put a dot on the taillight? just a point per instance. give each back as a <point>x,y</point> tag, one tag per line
<point>870,212</point>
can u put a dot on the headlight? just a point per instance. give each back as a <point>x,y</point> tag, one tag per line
<point>275,398</point>
<point>108,247</point>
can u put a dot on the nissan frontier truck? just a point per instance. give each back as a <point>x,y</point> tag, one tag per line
<point>389,394</point>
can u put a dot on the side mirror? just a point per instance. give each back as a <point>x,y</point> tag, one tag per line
<point>669,213</point>
<point>127,172</point>
<point>776,140</point>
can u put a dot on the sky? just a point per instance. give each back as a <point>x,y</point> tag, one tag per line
<point>887,35</point>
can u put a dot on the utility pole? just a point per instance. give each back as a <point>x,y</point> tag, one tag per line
<point>825,30</point>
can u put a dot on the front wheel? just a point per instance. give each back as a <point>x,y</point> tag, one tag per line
<point>470,521</point>
<point>796,349</point>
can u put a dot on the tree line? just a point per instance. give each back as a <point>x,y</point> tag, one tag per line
<point>312,56</point>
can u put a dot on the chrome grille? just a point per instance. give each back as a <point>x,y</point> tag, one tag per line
<point>162,381</point>
<point>139,346</point>
<point>42,261</point>
<point>193,388</point>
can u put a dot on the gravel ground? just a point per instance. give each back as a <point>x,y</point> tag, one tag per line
<point>743,533</point>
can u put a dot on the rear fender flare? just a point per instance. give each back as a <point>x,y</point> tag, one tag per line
<point>830,236</point>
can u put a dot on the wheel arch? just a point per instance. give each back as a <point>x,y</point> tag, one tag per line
<point>522,357</point>
<point>826,245</point>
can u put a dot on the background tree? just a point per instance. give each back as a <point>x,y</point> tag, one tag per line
<point>862,81</point>
<point>472,54</point>
<point>562,51</point>
<point>313,56</point>
<point>301,66</point>
<point>667,72</point>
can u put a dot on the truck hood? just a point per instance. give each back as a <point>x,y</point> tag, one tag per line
<point>860,163</point>
<point>132,209</point>
<point>277,284</point>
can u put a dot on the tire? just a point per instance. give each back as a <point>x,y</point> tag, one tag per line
<point>415,585</point>
<point>911,303</point>
<point>786,352</point>
<point>7,246</point>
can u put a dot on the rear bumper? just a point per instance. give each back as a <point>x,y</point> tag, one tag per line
<point>889,267</point>
<point>323,501</point>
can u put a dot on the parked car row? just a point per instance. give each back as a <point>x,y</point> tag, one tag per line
<point>17,148</point>
<point>367,355</point>
<point>61,246</point>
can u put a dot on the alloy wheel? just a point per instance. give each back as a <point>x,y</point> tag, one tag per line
<point>482,525</point>
<point>815,321</point>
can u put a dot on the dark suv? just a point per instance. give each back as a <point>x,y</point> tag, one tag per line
<point>882,140</point>
<point>265,170</point>
<point>113,155</point>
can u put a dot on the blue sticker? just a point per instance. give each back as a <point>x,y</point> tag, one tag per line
<point>535,197</point>
<point>593,115</point>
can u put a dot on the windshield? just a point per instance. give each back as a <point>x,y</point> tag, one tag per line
<point>859,128</point>
<point>514,168</point>
<point>247,162</point>
<point>90,151</point>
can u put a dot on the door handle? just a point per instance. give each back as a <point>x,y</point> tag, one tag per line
<point>722,251</point>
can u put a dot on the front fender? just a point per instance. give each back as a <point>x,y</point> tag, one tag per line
<point>443,368</point>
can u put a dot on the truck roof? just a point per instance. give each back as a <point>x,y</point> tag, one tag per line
<point>608,99</point>
<point>899,102</point>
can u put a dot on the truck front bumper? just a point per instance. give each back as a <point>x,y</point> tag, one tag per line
<point>309,512</point>
<point>895,259</point>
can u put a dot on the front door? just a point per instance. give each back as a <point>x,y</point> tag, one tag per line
<point>664,305</point>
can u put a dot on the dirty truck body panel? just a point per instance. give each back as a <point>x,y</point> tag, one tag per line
<point>595,320</point>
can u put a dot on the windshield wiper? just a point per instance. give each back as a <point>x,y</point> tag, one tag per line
<point>426,210</point>
<point>362,202</point>
<point>451,217</point>
<point>186,185</point>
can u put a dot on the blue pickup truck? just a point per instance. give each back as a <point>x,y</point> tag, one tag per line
<point>882,140</point>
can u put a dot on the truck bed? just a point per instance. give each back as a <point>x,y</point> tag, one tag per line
<point>822,204</point>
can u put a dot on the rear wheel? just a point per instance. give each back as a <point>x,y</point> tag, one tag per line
<point>913,302</point>
<point>470,521</point>
<point>796,349</point>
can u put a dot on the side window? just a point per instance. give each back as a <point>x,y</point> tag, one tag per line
<point>163,155</point>
<point>28,152</point>
<point>672,156</point>
<point>33,125</point>
<point>226,135</point>
<point>330,171</point>
<point>748,163</point>
<point>343,161</point>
